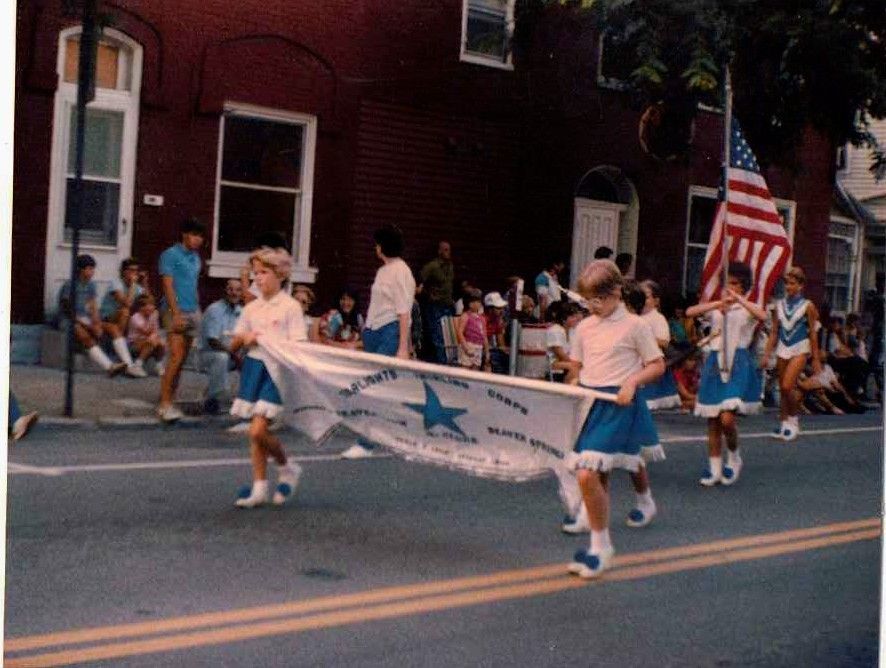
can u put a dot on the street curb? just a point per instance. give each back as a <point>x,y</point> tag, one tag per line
<point>55,423</point>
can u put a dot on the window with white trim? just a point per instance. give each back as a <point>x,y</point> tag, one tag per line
<point>615,63</point>
<point>487,29</point>
<point>701,209</point>
<point>114,108</point>
<point>840,267</point>
<point>264,184</point>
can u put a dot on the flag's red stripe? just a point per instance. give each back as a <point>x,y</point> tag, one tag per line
<point>754,213</point>
<point>738,232</point>
<point>749,189</point>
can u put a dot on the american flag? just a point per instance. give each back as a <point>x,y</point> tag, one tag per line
<point>755,232</point>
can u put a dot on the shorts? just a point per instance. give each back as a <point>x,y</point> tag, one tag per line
<point>191,323</point>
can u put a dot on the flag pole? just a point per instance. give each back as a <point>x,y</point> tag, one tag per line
<point>725,369</point>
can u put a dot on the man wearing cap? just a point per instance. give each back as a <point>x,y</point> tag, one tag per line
<point>494,314</point>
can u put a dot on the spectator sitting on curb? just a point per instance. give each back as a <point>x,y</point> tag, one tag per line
<point>83,315</point>
<point>19,424</point>
<point>116,309</point>
<point>143,333</point>
<point>216,356</point>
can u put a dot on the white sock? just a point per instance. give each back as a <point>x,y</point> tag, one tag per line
<point>716,464</point>
<point>600,541</point>
<point>122,350</point>
<point>645,501</point>
<point>139,363</point>
<point>794,421</point>
<point>733,457</point>
<point>290,470</point>
<point>259,489</point>
<point>98,356</point>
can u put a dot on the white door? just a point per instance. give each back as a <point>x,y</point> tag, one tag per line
<point>111,131</point>
<point>595,224</point>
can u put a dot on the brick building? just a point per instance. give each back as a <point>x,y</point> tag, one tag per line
<point>327,120</point>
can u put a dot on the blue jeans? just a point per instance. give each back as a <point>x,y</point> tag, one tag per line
<point>431,315</point>
<point>15,412</point>
<point>382,341</point>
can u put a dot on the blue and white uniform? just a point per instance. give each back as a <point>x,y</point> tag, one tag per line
<point>611,350</point>
<point>793,327</point>
<point>741,392</point>
<point>281,317</point>
<point>661,393</point>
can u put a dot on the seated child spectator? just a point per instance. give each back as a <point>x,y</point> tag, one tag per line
<point>341,325</point>
<point>823,393</point>
<point>83,315</point>
<point>116,308</point>
<point>305,296</point>
<point>143,333</point>
<point>851,369</point>
<point>470,329</point>
<point>687,376</point>
<point>563,317</point>
<point>683,334</point>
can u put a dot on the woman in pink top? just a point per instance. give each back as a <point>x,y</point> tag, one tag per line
<point>470,328</point>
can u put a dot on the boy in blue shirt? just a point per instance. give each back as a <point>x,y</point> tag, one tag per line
<point>179,272</point>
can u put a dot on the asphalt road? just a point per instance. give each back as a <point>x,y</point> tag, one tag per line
<point>133,536</point>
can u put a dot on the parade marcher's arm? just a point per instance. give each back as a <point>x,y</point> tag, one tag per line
<point>748,305</point>
<point>403,346</point>
<point>647,374</point>
<point>704,307</point>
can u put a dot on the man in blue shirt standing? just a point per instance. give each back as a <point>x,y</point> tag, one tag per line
<point>179,272</point>
<point>216,357</point>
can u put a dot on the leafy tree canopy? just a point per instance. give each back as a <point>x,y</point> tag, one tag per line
<point>793,63</point>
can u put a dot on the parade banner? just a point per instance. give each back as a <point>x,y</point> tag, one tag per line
<point>483,424</point>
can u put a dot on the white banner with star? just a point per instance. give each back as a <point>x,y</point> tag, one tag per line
<point>483,424</point>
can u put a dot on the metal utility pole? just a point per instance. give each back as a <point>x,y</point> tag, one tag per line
<point>725,366</point>
<point>85,94</point>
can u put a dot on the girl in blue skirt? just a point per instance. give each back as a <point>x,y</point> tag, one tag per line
<point>273,313</point>
<point>720,399</point>
<point>663,392</point>
<point>615,352</point>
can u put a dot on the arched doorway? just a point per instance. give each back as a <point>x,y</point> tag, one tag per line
<point>606,211</point>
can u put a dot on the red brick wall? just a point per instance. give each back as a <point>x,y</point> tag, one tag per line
<point>487,158</point>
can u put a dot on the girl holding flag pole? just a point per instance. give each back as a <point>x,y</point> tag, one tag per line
<point>615,352</point>
<point>722,394</point>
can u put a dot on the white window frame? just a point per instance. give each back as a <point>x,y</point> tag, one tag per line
<point>126,102</point>
<point>602,80</point>
<point>711,193</point>
<point>466,56</point>
<point>853,242</point>
<point>227,264</point>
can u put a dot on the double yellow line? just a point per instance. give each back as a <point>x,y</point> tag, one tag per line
<point>181,633</point>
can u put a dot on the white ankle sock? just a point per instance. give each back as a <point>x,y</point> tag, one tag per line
<point>645,500</point>
<point>716,464</point>
<point>122,350</point>
<point>98,356</point>
<point>259,489</point>
<point>600,541</point>
<point>733,457</point>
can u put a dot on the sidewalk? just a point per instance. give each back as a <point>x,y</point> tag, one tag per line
<point>102,402</point>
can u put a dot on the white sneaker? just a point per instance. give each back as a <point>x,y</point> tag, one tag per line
<point>116,369</point>
<point>169,413</point>
<point>709,479</point>
<point>731,471</point>
<point>287,483</point>
<point>640,517</point>
<point>253,497</point>
<point>358,451</point>
<point>136,370</point>
<point>778,432</point>
<point>595,564</point>
<point>791,430</point>
<point>23,425</point>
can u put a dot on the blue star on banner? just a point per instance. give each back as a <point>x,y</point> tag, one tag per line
<point>435,413</point>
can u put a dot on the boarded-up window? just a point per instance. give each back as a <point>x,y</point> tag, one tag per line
<point>111,68</point>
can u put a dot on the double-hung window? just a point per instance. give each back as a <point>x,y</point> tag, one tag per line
<point>702,207</point>
<point>487,28</point>
<point>265,184</point>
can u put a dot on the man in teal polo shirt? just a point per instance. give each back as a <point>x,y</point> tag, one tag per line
<point>179,272</point>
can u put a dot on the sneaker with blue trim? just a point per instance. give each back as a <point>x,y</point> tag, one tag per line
<point>287,483</point>
<point>578,561</point>
<point>708,479</point>
<point>252,497</point>
<point>731,472</point>
<point>578,524</point>
<point>778,432</point>
<point>791,431</point>
<point>594,564</point>
<point>640,518</point>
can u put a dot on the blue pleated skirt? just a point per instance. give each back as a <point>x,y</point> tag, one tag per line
<point>662,393</point>
<point>741,393</point>
<point>617,436</point>
<point>258,395</point>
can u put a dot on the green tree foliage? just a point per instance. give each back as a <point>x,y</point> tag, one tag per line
<point>793,63</point>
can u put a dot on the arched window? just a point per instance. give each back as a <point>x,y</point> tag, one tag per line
<point>111,132</point>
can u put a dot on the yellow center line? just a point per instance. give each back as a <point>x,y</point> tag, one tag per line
<point>184,623</point>
<point>426,605</point>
